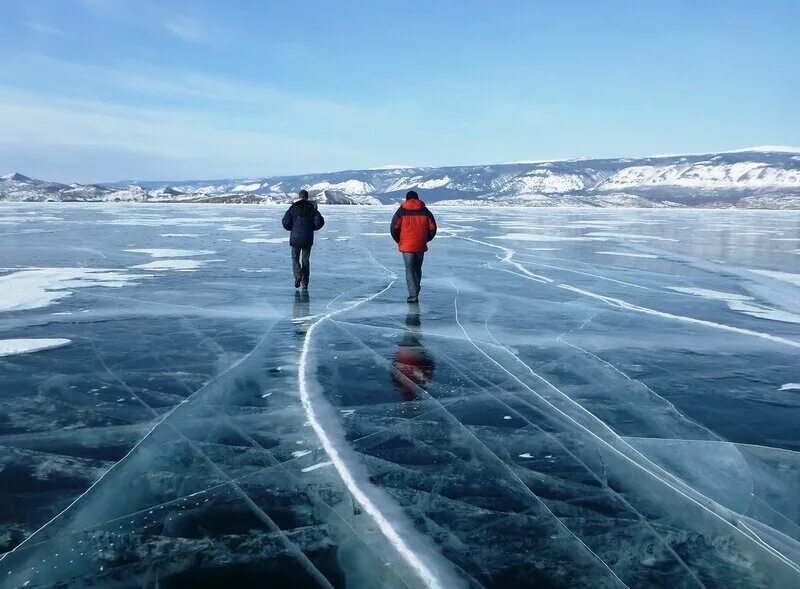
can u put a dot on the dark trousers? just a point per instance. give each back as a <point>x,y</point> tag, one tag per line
<point>413,264</point>
<point>301,265</point>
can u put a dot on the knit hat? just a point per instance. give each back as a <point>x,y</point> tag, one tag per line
<point>411,194</point>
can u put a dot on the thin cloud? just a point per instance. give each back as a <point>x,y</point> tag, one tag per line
<point>193,91</point>
<point>46,29</point>
<point>187,29</point>
<point>193,145</point>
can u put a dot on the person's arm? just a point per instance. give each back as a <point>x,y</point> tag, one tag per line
<point>431,225</point>
<point>394,229</point>
<point>288,220</point>
<point>319,221</point>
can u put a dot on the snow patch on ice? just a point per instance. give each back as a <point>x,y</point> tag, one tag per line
<point>264,240</point>
<point>317,465</point>
<point>39,287</point>
<point>170,253</point>
<point>627,254</point>
<point>10,347</point>
<point>633,236</point>
<point>180,265</point>
<point>782,276</point>
<point>540,237</point>
<point>741,303</point>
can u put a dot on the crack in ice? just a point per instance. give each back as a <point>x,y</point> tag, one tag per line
<point>426,575</point>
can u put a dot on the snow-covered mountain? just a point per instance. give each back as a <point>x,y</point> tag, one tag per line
<point>753,178</point>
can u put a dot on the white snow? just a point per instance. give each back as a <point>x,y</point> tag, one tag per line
<point>170,264</point>
<point>10,347</point>
<point>540,237</point>
<point>316,466</point>
<point>182,234</point>
<point>741,303</point>
<point>391,167</point>
<point>434,183</point>
<point>767,149</point>
<point>348,186</point>
<point>704,175</point>
<point>246,187</point>
<point>544,181</point>
<point>170,253</point>
<point>265,240</point>
<point>632,236</point>
<point>627,254</point>
<point>782,276</point>
<point>39,287</point>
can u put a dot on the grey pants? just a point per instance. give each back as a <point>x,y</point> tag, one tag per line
<point>301,265</point>
<point>413,264</point>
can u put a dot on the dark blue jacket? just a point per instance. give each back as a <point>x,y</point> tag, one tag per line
<point>302,219</point>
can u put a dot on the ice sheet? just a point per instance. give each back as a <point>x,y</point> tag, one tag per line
<point>546,417</point>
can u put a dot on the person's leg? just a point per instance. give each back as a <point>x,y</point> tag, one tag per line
<point>306,259</point>
<point>411,274</point>
<point>296,269</point>
<point>418,266</point>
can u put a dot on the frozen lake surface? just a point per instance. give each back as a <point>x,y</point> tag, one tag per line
<point>583,398</point>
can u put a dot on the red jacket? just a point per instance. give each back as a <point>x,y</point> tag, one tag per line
<point>413,226</point>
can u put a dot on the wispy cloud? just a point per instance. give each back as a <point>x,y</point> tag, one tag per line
<point>187,29</point>
<point>189,145</point>
<point>257,104</point>
<point>46,29</point>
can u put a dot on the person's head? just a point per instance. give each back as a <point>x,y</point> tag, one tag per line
<point>411,195</point>
<point>303,194</point>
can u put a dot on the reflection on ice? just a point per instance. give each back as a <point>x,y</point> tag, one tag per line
<point>549,417</point>
<point>414,367</point>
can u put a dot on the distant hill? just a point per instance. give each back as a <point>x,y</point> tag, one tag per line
<point>764,178</point>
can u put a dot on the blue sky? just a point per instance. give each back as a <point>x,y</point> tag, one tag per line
<point>100,90</point>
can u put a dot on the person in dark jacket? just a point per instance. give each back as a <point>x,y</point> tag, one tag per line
<point>413,226</point>
<point>302,219</point>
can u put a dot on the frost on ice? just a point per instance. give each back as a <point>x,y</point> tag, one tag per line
<point>566,416</point>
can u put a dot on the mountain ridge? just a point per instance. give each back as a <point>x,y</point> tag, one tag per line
<point>758,177</point>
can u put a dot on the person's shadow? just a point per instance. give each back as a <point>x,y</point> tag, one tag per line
<point>413,365</point>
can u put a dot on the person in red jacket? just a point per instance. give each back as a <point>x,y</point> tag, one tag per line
<point>413,226</point>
